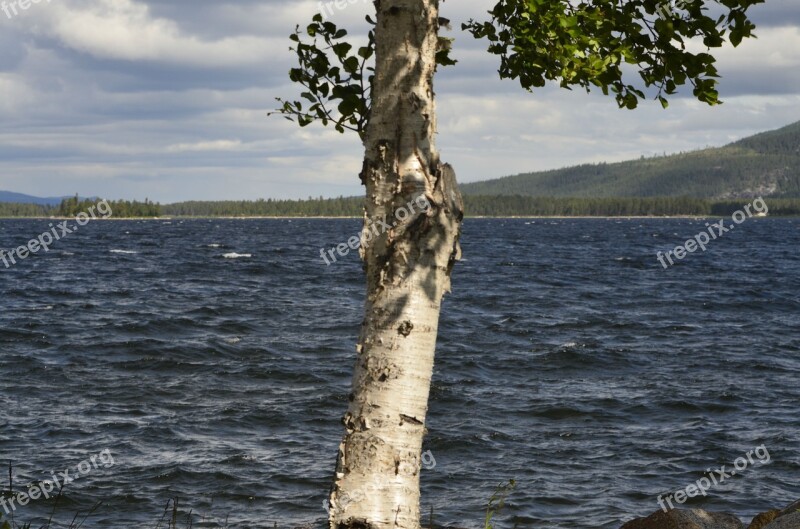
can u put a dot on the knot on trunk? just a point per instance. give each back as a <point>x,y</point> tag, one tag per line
<point>405,328</point>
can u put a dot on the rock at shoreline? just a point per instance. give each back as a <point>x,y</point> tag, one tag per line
<point>686,519</point>
<point>791,508</point>
<point>761,520</point>
<point>785,521</point>
<point>788,518</point>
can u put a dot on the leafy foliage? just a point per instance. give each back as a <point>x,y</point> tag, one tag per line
<point>337,80</point>
<point>333,77</point>
<point>596,43</point>
<point>498,501</point>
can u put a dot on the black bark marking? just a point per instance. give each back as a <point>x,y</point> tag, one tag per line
<point>405,328</point>
<point>348,422</point>
<point>409,419</point>
<point>379,369</point>
<point>354,523</point>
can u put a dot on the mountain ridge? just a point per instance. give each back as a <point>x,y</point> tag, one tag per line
<point>21,198</point>
<point>765,164</point>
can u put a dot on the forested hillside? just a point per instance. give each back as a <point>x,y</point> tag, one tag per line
<point>475,205</point>
<point>767,164</point>
<point>13,209</point>
<point>313,207</point>
<point>708,182</point>
<point>71,207</point>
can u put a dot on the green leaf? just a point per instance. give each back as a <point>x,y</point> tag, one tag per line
<point>365,52</point>
<point>351,65</point>
<point>443,58</point>
<point>342,49</point>
<point>332,77</point>
<point>583,43</point>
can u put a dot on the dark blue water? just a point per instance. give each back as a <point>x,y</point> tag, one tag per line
<point>568,359</point>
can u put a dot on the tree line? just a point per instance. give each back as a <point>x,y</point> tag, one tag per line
<point>312,207</point>
<point>487,206</point>
<point>707,173</point>
<point>71,207</point>
<point>475,205</point>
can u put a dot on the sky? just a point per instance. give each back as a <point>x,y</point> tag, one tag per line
<point>168,100</point>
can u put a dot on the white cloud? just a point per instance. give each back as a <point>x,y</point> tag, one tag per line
<point>127,30</point>
<point>168,99</point>
<point>201,146</point>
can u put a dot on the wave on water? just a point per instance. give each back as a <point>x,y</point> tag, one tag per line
<point>577,366</point>
<point>37,308</point>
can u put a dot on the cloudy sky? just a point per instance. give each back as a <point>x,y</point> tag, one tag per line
<point>168,99</point>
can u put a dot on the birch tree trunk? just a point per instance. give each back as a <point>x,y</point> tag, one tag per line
<point>408,251</point>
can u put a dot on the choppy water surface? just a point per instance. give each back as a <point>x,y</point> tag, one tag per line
<point>213,357</point>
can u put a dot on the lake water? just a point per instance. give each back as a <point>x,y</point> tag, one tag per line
<point>568,359</point>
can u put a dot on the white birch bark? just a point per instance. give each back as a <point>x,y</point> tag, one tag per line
<point>408,271</point>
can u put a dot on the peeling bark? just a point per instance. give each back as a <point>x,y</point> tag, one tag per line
<point>408,271</point>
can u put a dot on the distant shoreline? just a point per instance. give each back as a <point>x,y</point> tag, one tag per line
<point>476,206</point>
<point>542,217</point>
